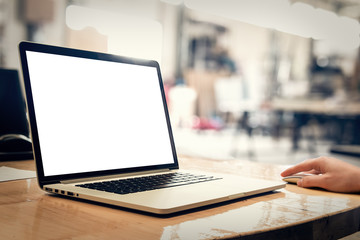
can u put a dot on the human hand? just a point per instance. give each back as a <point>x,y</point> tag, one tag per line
<point>330,173</point>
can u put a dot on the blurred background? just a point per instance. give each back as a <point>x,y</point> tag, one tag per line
<point>273,81</point>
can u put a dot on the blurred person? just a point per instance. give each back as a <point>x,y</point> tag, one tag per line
<point>329,173</point>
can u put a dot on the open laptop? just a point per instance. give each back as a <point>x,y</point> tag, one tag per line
<point>100,130</point>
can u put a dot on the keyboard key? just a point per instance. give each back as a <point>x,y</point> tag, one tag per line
<point>148,183</point>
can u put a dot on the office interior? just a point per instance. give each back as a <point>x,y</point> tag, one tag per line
<point>274,81</point>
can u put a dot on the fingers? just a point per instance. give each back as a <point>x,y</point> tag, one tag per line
<point>330,174</point>
<point>313,172</point>
<point>311,181</point>
<point>311,165</point>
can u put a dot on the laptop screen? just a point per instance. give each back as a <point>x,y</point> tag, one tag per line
<point>95,115</point>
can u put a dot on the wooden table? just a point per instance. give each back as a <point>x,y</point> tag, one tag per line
<point>339,119</point>
<point>291,213</point>
<point>320,106</point>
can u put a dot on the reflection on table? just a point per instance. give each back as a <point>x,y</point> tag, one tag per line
<point>291,213</point>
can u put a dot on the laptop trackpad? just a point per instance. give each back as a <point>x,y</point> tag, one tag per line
<point>201,193</point>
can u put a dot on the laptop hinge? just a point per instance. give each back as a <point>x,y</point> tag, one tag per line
<point>69,181</point>
<point>49,182</point>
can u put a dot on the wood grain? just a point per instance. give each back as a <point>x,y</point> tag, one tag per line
<point>292,213</point>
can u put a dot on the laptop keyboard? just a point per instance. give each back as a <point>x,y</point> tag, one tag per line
<point>147,183</point>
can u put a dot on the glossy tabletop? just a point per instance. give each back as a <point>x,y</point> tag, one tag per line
<point>290,213</point>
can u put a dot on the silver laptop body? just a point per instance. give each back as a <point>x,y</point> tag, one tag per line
<point>98,118</point>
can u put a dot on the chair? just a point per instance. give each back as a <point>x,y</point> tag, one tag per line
<point>232,100</point>
<point>13,120</point>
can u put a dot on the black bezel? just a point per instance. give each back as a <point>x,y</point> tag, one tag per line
<point>36,47</point>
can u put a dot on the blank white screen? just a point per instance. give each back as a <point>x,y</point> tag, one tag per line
<point>97,115</point>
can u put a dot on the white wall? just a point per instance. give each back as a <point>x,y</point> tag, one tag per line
<point>128,38</point>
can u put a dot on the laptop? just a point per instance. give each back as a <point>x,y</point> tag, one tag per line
<point>101,131</point>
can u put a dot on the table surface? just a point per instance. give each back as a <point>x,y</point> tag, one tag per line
<point>291,213</point>
<point>321,106</point>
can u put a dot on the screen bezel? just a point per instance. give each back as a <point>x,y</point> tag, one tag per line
<point>42,48</point>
